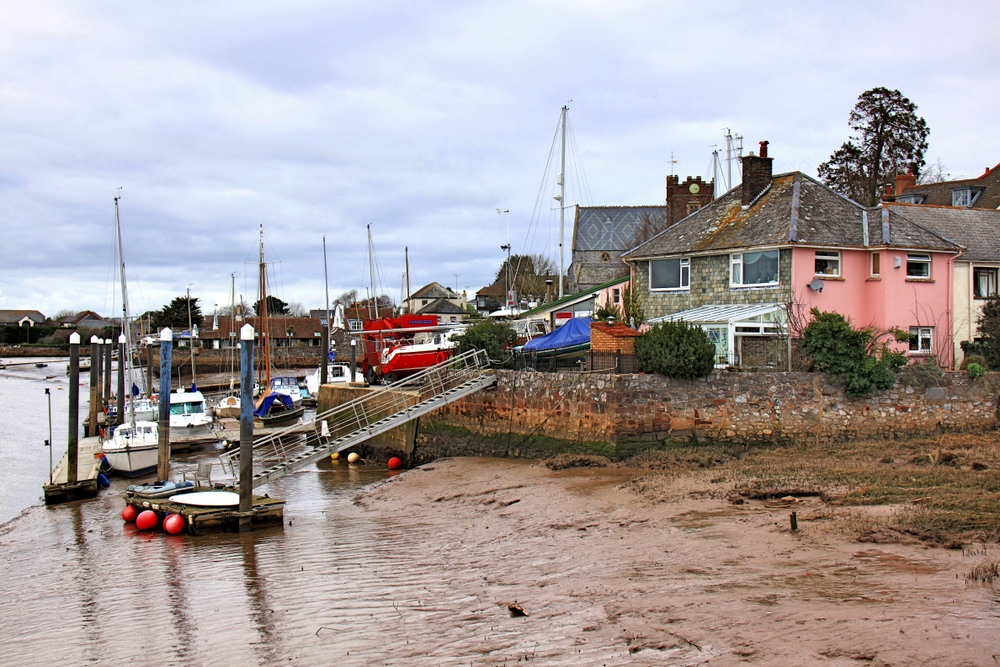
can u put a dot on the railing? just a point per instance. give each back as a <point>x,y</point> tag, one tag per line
<point>366,415</point>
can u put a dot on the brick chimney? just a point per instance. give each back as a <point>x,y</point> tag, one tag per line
<point>904,181</point>
<point>756,173</point>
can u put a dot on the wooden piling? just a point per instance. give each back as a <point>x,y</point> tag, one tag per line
<point>325,360</point>
<point>246,427</point>
<point>73,440</point>
<point>95,384</point>
<point>163,449</point>
<point>108,345</point>
<point>794,521</point>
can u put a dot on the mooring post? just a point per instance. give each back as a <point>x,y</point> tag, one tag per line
<point>73,441</point>
<point>794,521</point>
<point>246,426</point>
<point>149,369</point>
<point>354,357</point>
<point>108,345</point>
<point>121,379</point>
<point>163,449</point>
<point>326,355</point>
<point>95,383</point>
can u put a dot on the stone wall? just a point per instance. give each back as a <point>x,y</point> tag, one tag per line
<point>612,410</point>
<point>710,286</point>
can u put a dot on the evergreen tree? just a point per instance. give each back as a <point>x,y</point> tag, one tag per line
<point>677,350</point>
<point>275,306</point>
<point>889,139</point>
<point>988,327</point>
<point>175,314</point>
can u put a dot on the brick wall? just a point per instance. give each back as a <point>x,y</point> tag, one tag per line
<point>739,407</point>
<point>710,285</point>
<point>603,338</point>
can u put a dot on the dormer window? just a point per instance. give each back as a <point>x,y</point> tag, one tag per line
<point>911,199</point>
<point>965,196</point>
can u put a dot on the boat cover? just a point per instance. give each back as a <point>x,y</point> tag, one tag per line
<point>265,406</point>
<point>576,331</point>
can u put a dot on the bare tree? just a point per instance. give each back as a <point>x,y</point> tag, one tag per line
<point>649,225</point>
<point>295,309</point>
<point>936,172</point>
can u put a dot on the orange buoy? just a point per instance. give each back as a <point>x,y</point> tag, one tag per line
<point>146,520</point>
<point>395,463</point>
<point>129,513</point>
<point>173,524</point>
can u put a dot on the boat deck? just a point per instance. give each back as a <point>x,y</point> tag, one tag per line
<point>88,466</point>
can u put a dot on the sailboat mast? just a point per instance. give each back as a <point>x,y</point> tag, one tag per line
<point>232,329</point>
<point>562,196</point>
<point>326,283</point>
<point>406,252</point>
<point>265,342</point>
<point>371,269</point>
<point>124,365</point>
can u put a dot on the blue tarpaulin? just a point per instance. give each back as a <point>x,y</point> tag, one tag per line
<point>576,331</point>
<point>265,406</point>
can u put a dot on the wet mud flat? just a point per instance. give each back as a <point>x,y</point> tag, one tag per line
<point>422,568</point>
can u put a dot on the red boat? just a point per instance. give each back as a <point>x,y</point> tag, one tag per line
<point>395,347</point>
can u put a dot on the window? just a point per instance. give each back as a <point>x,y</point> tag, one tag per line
<point>692,207</point>
<point>984,282</point>
<point>961,197</point>
<point>755,268</point>
<point>827,263</point>
<point>355,325</point>
<point>918,266</point>
<point>616,295</point>
<point>911,199</point>
<point>669,274</point>
<point>876,267</point>
<point>922,340</point>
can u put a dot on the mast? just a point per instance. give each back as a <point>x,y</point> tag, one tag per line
<point>232,329</point>
<point>124,365</point>
<point>371,269</point>
<point>406,252</point>
<point>326,283</point>
<point>194,378</point>
<point>562,196</point>
<point>265,342</point>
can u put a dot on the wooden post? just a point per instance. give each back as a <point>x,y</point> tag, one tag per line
<point>325,361</point>
<point>73,441</point>
<point>354,357</point>
<point>163,450</point>
<point>246,426</point>
<point>121,379</point>
<point>794,521</point>
<point>95,383</point>
<point>108,344</point>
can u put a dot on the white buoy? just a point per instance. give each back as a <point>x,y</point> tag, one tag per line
<point>353,457</point>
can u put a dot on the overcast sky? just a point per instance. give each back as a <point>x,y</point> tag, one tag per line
<point>420,119</point>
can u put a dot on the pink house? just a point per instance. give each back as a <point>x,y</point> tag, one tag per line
<point>773,248</point>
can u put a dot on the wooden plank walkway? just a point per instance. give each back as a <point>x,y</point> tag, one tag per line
<point>88,466</point>
<point>266,511</point>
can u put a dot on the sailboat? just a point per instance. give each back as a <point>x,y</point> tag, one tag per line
<point>229,405</point>
<point>131,448</point>
<point>271,408</point>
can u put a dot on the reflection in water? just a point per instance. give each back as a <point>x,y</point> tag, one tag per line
<point>173,550</point>
<point>260,614</point>
<point>85,576</point>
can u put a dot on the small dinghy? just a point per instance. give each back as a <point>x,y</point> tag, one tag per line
<point>160,489</point>
<point>208,499</point>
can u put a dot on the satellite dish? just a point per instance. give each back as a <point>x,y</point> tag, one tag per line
<point>816,285</point>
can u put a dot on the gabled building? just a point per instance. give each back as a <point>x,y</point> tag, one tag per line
<point>982,192</point>
<point>784,244</point>
<point>21,318</point>
<point>432,292</point>
<point>86,319</point>
<point>445,311</point>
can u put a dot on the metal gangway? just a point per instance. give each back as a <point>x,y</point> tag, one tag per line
<point>378,411</point>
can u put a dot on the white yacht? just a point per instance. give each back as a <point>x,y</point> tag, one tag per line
<point>132,448</point>
<point>188,417</point>
<point>335,374</point>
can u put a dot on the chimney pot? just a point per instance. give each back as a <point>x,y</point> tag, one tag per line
<point>763,149</point>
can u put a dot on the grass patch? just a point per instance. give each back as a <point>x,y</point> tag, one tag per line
<point>948,485</point>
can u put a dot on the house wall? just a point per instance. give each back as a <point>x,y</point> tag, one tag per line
<point>710,285</point>
<point>891,300</point>
<point>967,307</point>
<point>606,296</point>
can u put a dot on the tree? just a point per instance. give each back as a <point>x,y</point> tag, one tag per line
<point>649,225</point>
<point>175,314</point>
<point>296,309</point>
<point>677,350</point>
<point>275,306</point>
<point>889,139</point>
<point>860,357</point>
<point>495,337</point>
<point>936,172</point>
<point>345,299</point>
<point>632,312</point>
<point>529,273</point>
<point>988,328</point>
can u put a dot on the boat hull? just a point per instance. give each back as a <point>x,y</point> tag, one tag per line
<point>132,461</point>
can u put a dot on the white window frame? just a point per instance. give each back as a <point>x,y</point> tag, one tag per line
<point>871,265</point>
<point>683,268</point>
<point>616,295</point>
<point>736,259</point>
<point>355,325</point>
<point>923,341</point>
<point>829,256</point>
<point>961,197</point>
<point>918,259</point>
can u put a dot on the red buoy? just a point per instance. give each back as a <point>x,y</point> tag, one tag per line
<point>129,514</point>
<point>395,463</point>
<point>146,520</point>
<point>173,524</point>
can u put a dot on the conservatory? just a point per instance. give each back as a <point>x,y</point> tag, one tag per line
<point>747,335</point>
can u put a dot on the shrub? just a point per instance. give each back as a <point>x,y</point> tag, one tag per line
<point>677,350</point>
<point>611,310</point>
<point>972,359</point>
<point>988,327</point>
<point>860,357</point>
<point>632,311</point>
<point>921,374</point>
<point>975,371</point>
<point>495,337</point>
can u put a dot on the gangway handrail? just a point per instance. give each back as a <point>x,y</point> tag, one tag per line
<point>361,418</point>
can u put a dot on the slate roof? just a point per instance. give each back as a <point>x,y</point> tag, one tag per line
<point>15,316</point>
<point>976,229</point>
<point>572,298</point>
<point>794,209</point>
<point>611,227</point>
<point>441,307</point>
<point>304,327</point>
<point>434,290</point>
<point>940,193</point>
